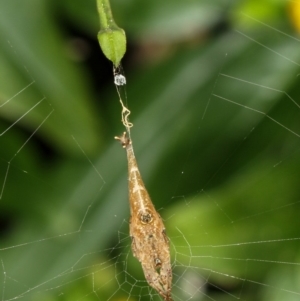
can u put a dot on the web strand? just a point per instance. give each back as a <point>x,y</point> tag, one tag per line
<point>120,82</point>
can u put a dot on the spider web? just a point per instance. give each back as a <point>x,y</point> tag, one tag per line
<point>233,232</point>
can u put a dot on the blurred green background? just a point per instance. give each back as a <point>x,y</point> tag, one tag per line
<point>224,178</point>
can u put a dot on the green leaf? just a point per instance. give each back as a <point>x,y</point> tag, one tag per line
<point>36,42</point>
<point>113,44</point>
<point>112,39</point>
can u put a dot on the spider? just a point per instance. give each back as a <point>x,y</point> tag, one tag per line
<point>150,244</point>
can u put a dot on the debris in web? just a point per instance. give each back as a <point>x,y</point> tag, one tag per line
<point>120,80</point>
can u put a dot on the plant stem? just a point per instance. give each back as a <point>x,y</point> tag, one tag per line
<point>105,14</point>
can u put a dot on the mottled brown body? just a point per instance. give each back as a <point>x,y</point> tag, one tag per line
<point>150,244</point>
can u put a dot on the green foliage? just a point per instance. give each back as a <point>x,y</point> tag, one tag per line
<point>111,38</point>
<point>207,162</point>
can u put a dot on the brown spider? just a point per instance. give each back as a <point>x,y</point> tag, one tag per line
<point>150,244</point>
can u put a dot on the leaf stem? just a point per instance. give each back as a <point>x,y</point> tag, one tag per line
<point>105,14</point>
